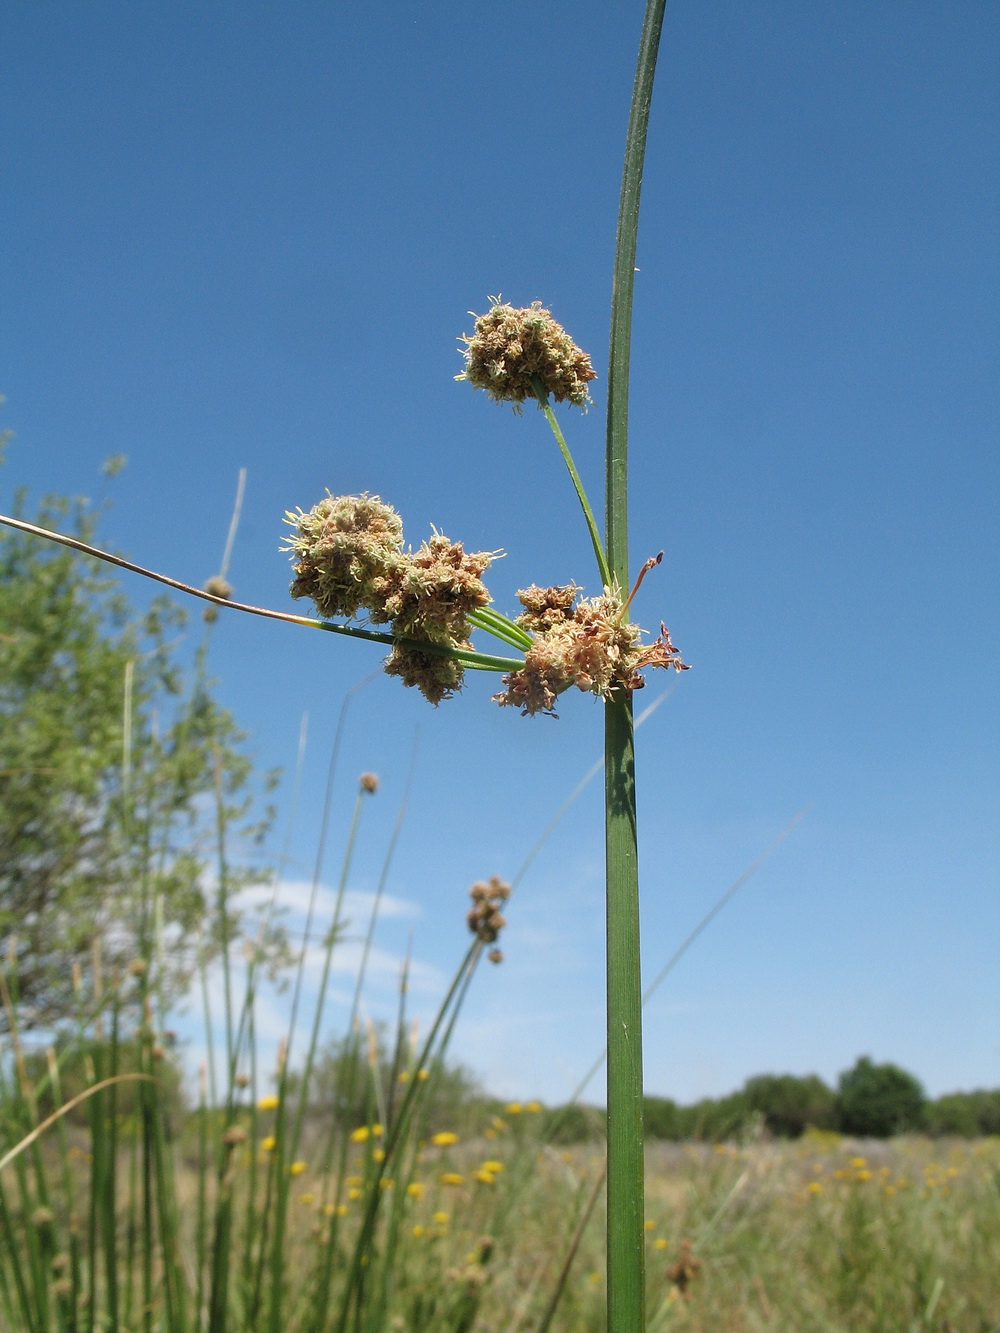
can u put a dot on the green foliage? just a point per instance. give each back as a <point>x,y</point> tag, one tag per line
<point>114,778</point>
<point>789,1104</point>
<point>877,1101</point>
<point>351,1076</point>
<point>81,1063</point>
<point>966,1114</point>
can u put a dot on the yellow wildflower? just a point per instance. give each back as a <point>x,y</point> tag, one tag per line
<point>814,1187</point>
<point>269,1103</point>
<point>484,1177</point>
<point>354,1193</point>
<point>451,1178</point>
<point>307,1198</point>
<point>418,1230</point>
<point>533,1107</point>
<point>513,1108</point>
<point>296,1168</point>
<point>415,1189</point>
<point>361,1134</point>
<point>649,1224</point>
<point>267,1144</point>
<point>495,1167</point>
<point>441,1218</point>
<point>378,1154</point>
<point>660,1243</point>
<point>445,1139</point>
<point>423,1075</point>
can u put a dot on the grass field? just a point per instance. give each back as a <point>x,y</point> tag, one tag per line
<point>819,1235</point>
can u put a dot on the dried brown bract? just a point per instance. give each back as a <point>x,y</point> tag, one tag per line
<point>510,348</point>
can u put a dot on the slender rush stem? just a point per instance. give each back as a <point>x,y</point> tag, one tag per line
<point>626,1279</point>
<point>595,536</point>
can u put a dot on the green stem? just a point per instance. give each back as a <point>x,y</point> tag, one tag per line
<point>595,536</point>
<point>626,1278</point>
<point>501,628</point>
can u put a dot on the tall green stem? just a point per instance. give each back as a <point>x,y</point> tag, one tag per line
<point>626,1280</point>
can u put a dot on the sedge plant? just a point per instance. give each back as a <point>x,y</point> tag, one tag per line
<point>349,559</point>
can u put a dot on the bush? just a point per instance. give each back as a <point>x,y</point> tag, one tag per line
<point>877,1101</point>
<point>789,1103</point>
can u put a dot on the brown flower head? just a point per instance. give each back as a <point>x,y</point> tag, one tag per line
<point>510,348</point>
<point>429,598</point>
<point>485,918</point>
<point>347,551</point>
<point>436,677</point>
<point>591,645</point>
<point>685,1270</point>
<point>368,783</point>
<point>434,589</point>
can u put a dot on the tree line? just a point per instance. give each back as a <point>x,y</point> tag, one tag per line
<point>870,1101</point>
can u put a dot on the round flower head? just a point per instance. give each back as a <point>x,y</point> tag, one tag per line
<point>590,645</point>
<point>436,677</point>
<point>512,348</point>
<point>434,590</point>
<point>347,549</point>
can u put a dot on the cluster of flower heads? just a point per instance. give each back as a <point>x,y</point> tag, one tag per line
<point>587,642</point>
<point>485,917</point>
<point>349,559</point>
<point>511,349</point>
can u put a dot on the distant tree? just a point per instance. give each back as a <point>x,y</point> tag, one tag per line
<point>967,1114</point>
<point>877,1101</point>
<point>662,1118</point>
<point>789,1103</point>
<point>350,1075</point>
<point>714,1119</point>
<point>112,775</point>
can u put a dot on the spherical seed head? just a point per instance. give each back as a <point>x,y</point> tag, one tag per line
<point>347,549</point>
<point>219,587</point>
<point>368,783</point>
<point>511,348</point>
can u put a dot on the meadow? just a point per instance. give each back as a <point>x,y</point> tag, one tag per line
<point>354,1184</point>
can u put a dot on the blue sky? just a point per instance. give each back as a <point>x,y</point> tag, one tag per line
<point>248,235</point>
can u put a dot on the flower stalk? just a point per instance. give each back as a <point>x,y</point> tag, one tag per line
<point>581,494</point>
